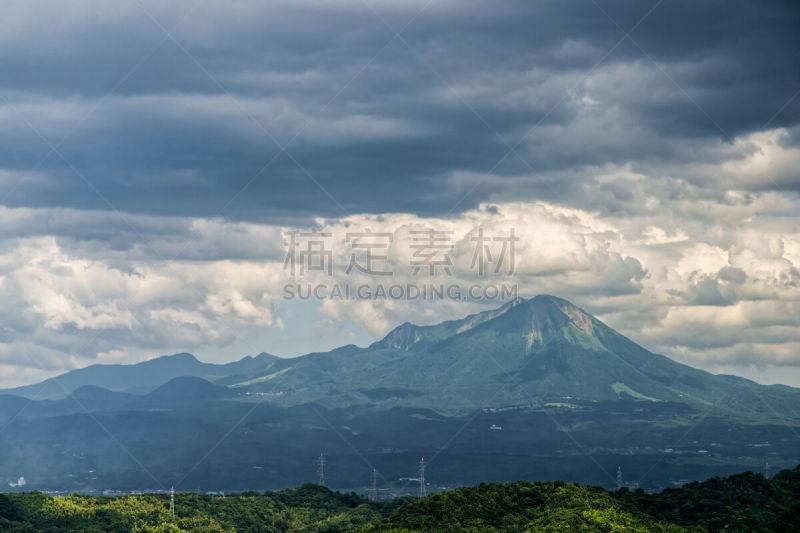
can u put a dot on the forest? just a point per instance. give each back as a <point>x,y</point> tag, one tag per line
<point>745,502</point>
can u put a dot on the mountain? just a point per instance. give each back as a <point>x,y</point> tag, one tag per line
<point>533,352</point>
<point>182,392</point>
<point>92,397</point>
<point>526,353</point>
<point>178,393</point>
<point>139,378</point>
<point>536,389</point>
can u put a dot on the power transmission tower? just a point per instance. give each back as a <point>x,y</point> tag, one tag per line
<point>373,493</point>
<point>619,477</point>
<point>321,470</point>
<point>766,469</point>
<point>172,501</point>
<point>422,491</point>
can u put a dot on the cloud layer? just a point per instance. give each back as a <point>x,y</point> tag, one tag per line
<point>153,155</point>
<point>175,109</point>
<point>707,293</point>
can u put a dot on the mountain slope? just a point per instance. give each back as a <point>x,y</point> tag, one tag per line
<point>526,353</point>
<point>520,507</point>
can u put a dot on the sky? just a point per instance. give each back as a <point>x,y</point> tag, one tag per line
<point>157,159</point>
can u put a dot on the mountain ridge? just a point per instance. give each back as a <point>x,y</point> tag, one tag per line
<point>527,352</point>
<point>141,377</point>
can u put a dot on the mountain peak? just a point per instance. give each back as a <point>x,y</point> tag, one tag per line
<point>541,313</point>
<point>183,356</point>
<point>579,318</point>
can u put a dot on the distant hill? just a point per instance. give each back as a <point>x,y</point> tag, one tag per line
<point>138,378</point>
<point>182,392</point>
<point>11,405</point>
<point>92,397</point>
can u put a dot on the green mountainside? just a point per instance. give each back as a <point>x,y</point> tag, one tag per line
<point>526,353</point>
<point>743,503</point>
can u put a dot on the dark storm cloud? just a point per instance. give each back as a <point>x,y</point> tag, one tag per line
<point>375,124</point>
